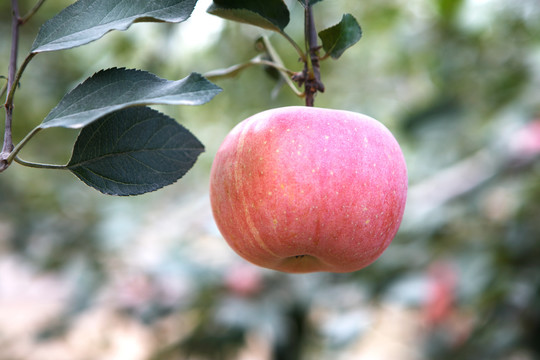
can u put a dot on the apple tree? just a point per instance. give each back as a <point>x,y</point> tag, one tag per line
<point>457,82</point>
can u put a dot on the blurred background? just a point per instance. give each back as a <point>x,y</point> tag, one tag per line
<point>86,276</point>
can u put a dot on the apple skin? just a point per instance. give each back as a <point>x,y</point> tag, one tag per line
<point>302,189</point>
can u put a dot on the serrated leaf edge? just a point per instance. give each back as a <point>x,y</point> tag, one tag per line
<point>214,91</point>
<point>72,168</point>
<point>340,24</point>
<point>130,21</point>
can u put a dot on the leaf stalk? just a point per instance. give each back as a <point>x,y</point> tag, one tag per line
<point>39,165</point>
<point>11,156</point>
<point>275,62</point>
<point>235,69</point>
<point>295,45</point>
<point>275,57</point>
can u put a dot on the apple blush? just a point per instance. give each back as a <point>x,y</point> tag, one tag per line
<point>303,189</point>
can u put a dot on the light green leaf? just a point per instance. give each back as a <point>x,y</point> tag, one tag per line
<point>115,89</point>
<point>133,151</point>
<point>338,38</point>
<point>88,20</point>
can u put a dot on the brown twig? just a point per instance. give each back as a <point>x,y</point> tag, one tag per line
<point>12,71</point>
<point>310,77</point>
<point>31,13</point>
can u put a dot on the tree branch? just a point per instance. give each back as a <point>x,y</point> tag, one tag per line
<point>276,59</point>
<point>235,69</point>
<point>31,13</point>
<point>275,62</point>
<point>310,77</point>
<point>8,140</point>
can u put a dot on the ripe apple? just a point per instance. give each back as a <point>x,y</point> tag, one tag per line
<point>303,189</point>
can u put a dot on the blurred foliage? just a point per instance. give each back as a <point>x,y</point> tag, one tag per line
<point>457,83</point>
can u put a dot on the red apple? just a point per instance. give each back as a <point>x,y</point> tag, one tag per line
<point>303,189</point>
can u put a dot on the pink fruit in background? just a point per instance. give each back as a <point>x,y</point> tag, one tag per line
<point>244,279</point>
<point>526,141</point>
<point>303,189</point>
<point>442,288</point>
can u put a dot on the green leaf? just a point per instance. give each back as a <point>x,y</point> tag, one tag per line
<point>338,38</point>
<point>268,14</point>
<point>88,20</point>
<point>311,2</point>
<point>133,151</point>
<point>114,89</point>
